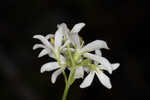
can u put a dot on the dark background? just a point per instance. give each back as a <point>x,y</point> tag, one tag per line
<point>123,24</point>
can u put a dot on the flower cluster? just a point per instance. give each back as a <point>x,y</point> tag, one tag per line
<point>70,53</point>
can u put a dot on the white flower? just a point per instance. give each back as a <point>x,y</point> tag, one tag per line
<point>101,76</point>
<point>102,64</point>
<point>73,34</point>
<point>114,66</point>
<point>50,67</point>
<point>53,50</point>
<point>104,79</point>
<point>49,48</point>
<point>95,45</point>
<point>74,38</point>
<point>102,60</point>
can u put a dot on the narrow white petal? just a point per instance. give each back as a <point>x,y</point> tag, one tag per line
<point>50,54</point>
<point>106,64</point>
<point>58,37</point>
<point>115,66</point>
<point>43,53</point>
<point>77,27</point>
<point>65,29</point>
<point>103,61</point>
<point>36,46</point>
<point>62,59</point>
<point>49,36</point>
<point>79,73</point>
<point>88,80</point>
<point>65,44</point>
<point>98,52</point>
<point>103,68</point>
<point>75,39</point>
<point>104,79</point>
<point>49,66</point>
<point>97,44</point>
<point>44,41</point>
<point>86,69</point>
<point>55,75</point>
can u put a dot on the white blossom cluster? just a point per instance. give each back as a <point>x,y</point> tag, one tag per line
<point>70,53</point>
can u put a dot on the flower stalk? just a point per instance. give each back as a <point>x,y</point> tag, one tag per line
<point>69,83</point>
<point>65,92</point>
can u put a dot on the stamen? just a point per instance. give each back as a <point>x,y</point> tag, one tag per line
<point>82,42</point>
<point>52,40</point>
<point>81,39</point>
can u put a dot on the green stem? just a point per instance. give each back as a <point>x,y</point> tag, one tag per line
<point>68,82</point>
<point>65,77</point>
<point>65,92</point>
<point>70,55</point>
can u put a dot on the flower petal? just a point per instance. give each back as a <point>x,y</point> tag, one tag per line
<point>62,59</point>
<point>49,36</point>
<point>49,66</point>
<point>98,52</point>
<point>65,29</point>
<point>36,46</point>
<point>77,27</point>
<point>44,41</point>
<point>50,54</point>
<point>88,80</point>
<point>73,36</point>
<point>103,61</point>
<point>104,79</point>
<point>79,73</point>
<point>58,37</point>
<point>55,75</point>
<point>97,44</point>
<point>65,44</point>
<point>86,69</point>
<point>103,68</point>
<point>43,53</point>
<point>115,66</point>
<point>75,39</point>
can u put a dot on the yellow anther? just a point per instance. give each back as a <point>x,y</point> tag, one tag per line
<point>102,70</point>
<point>82,42</point>
<point>81,39</point>
<point>52,40</point>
